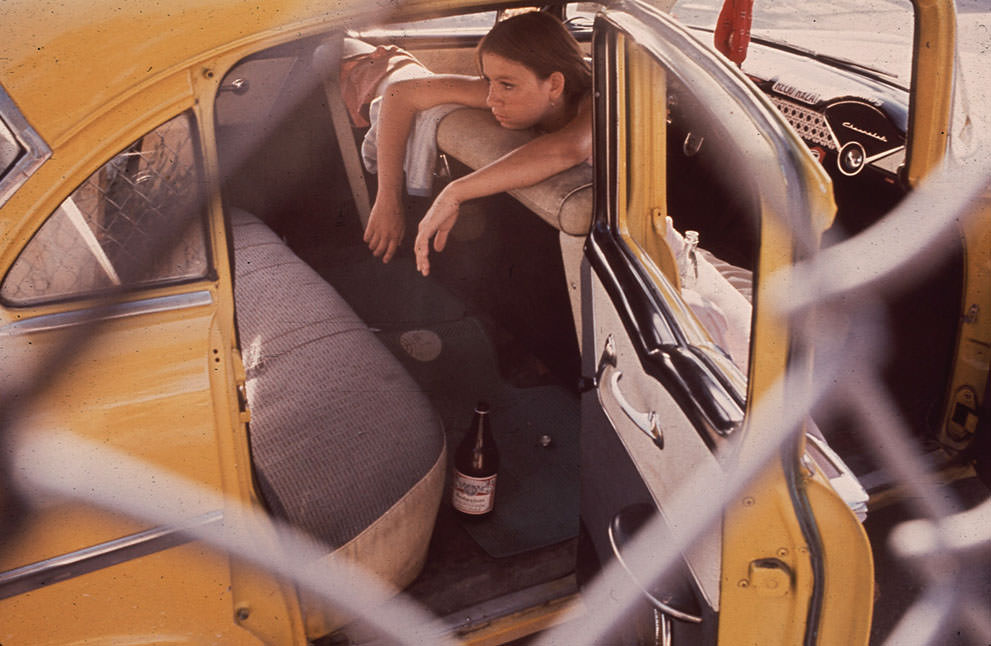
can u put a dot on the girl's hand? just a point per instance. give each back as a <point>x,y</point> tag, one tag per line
<point>386,228</point>
<point>436,224</point>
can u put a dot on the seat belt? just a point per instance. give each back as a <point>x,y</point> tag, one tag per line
<point>326,60</point>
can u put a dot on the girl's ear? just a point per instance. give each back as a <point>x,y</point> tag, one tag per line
<point>556,84</point>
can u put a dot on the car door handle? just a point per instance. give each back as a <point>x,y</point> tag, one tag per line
<point>677,599</point>
<point>645,421</point>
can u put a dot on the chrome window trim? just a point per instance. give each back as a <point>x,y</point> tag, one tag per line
<point>36,150</point>
<point>89,559</point>
<point>61,320</point>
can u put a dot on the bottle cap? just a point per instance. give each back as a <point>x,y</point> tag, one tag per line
<point>482,407</point>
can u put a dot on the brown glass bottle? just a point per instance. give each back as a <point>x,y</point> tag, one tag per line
<point>476,465</point>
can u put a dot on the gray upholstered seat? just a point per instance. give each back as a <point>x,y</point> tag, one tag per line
<point>344,443</point>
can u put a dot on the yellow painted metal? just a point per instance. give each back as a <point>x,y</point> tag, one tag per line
<point>761,523</point>
<point>763,544</point>
<point>641,191</point>
<point>762,538</point>
<point>68,65</point>
<point>181,415</point>
<point>644,133</point>
<point>849,567</point>
<point>972,363</point>
<point>117,392</point>
<point>267,607</point>
<point>932,85</point>
<point>174,597</point>
<point>767,577</point>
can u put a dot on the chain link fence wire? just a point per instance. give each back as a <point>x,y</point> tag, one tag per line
<point>102,235</point>
<point>153,205</point>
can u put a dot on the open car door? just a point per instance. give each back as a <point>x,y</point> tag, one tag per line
<point>674,370</point>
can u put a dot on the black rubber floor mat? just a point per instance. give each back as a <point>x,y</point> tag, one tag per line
<point>537,493</point>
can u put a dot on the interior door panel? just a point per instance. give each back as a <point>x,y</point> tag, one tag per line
<point>630,397</point>
<point>660,381</point>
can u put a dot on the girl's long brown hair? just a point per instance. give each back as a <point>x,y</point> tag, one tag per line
<point>543,44</point>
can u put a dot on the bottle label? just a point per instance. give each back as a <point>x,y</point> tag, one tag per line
<point>474,496</point>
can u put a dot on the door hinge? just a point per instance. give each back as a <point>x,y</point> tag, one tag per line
<point>241,381</point>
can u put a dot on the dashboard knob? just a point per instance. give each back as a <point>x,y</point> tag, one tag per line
<point>851,158</point>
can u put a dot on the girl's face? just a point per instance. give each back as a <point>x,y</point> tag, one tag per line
<point>517,98</point>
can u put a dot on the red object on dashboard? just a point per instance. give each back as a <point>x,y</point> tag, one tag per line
<point>732,34</point>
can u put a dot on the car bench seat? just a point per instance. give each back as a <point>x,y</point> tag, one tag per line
<point>344,444</point>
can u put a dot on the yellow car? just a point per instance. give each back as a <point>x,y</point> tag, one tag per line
<point>224,421</point>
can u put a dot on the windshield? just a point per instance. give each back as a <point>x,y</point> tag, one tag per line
<point>873,33</point>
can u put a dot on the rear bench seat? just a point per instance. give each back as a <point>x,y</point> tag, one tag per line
<point>344,444</point>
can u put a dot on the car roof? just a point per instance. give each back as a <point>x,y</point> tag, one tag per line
<point>62,61</point>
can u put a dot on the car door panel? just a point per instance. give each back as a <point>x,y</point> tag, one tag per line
<point>116,300</point>
<point>660,378</point>
<point>632,400</point>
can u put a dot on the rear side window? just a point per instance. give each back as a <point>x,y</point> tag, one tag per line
<point>137,221</point>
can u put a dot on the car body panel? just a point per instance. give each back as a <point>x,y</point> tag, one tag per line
<point>190,402</point>
<point>92,79</point>
<point>932,99</point>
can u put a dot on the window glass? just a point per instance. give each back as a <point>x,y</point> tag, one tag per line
<point>136,221</point>
<point>873,33</point>
<point>678,174</point>
<point>470,22</point>
<point>581,14</point>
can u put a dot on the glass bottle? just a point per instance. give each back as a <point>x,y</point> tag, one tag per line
<point>688,262</point>
<point>476,465</point>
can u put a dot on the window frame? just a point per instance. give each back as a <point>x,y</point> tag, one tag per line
<point>209,272</point>
<point>644,298</point>
<point>35,151</point>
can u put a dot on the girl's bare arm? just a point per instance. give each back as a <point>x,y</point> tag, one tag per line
<point>400,103</point>
<point>527,165</point>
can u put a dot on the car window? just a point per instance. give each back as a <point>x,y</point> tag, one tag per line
<point>136,221</point>
<point>684,177</point>
<point>446,25</point>
<point>873,33</point>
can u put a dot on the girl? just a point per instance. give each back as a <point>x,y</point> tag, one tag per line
<point>533,75</point>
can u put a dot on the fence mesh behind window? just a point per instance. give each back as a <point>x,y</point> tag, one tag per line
<point>103,234</point>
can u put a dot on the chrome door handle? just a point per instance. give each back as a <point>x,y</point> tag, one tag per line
<point>645,421</point>
<point>624,524</point>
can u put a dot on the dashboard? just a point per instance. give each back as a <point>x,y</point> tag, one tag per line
<point>852,121</point>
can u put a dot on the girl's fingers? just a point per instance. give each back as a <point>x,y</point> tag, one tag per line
<point>390,250</point>
<point>376,245</point>
<point>421,248</point>
<point>440,240</point>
